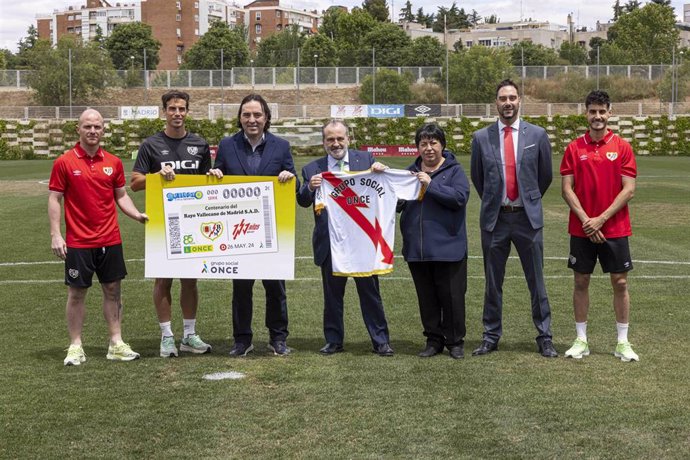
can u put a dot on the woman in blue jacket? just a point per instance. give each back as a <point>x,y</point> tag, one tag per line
<point>435,243</point>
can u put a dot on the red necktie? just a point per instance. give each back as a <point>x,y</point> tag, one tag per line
<point>509,153</point>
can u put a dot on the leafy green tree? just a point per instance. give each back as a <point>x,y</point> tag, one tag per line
<point>130,40</point>
<point>425,51</point>
<point>612,54</point>
<point>99,38</point>
<point>21,60</point>
<point>662,2</point>
<point>323,47</point>
<point>493,19</point>
<point>475,72</point>
<point>349,31</point>
<point>3,61</point>
<point>378,9</point>
<point>533,54</point>
<point>205,53</point>
<point>573,53</point>
<point>389,86</point>
<point>91,71</point>
<point>595,43</point>
<point>647,34</point>
<point>390,43</point>
<point>329,22</point>
<point>280,49</point>
<point>406,13</point>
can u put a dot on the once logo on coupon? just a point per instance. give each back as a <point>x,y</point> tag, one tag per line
<point>244,227</point>
<point>198,248</point>
<point>184,196</point>
<point>211,230</point>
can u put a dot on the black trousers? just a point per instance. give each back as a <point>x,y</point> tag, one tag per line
<point>242,310</point>
<point>441,288</point>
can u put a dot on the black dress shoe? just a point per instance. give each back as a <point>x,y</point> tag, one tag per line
<point>456,351</point>
<point>485,348</point>
<point>546,349</point>
<point>383,349</point>
<point>429,351</point>
<point>331,348</point>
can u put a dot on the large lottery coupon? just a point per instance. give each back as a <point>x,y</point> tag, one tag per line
<point>236,227</point>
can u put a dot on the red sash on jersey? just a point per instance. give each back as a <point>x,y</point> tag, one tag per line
<point>372,231</point>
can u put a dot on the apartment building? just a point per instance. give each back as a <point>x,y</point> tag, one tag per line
<point>177,24</point>
<point>266,17</point>
<point>510,33</point>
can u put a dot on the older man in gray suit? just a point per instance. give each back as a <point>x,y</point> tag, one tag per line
<point>511,170</point>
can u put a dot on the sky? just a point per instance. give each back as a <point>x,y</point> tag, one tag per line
<point>17,16</point>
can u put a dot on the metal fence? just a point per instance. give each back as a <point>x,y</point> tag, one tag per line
<point>326,76</point>
<point>286,111</point>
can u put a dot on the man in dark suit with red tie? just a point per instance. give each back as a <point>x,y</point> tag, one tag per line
<point>511,170</point>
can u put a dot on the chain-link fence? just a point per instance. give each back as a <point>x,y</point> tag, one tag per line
<point>328,76</point>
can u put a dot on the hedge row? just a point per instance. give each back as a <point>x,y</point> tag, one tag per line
<point>46,139</point>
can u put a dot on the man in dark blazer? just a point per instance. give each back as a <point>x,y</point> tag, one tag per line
<point>339,158</point>
<point>511,170</point>
<point>253,151</point>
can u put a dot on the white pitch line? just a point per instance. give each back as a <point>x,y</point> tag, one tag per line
<point>651,262</point>
<point>381,278</point>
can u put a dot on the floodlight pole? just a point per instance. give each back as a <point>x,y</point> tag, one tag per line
<point>373,75</point>
<point>69,65</point>
<point>222,94</point>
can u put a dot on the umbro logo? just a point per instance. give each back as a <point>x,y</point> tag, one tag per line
<point>422,109</point>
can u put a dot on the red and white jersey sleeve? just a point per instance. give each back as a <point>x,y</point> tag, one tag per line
<point>361,217</point>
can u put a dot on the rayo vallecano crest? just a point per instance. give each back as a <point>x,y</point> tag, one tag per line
<point>192,149</point>
<point>108,170</point>
<point>211,230</point>
<point>612,155</point>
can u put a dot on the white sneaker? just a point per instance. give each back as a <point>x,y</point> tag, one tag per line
<point>579,349</point>
<point>625,352</point>
<point>168,348</point>
<point>75,355</point>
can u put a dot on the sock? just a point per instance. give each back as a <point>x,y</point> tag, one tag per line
<point>189,327</point>
<point>166,329</point>
<point>581,329</point>
<point>622,332</point>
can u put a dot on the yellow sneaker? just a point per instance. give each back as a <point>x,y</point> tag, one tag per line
<point>75,355</point>
<point>121,352</point>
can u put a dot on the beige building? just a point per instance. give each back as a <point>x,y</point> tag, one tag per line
<point>510,33</point>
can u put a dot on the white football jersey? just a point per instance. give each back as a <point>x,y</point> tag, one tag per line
<point>361,217</point>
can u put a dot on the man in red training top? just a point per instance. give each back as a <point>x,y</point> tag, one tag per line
<point>91,181</point>
<point>598,179</point>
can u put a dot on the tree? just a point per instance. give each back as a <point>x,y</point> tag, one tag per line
<point>451,18</point>
<point>406,13</point>
<point>205,53</point>
<point>391,88</point>
<point>573,53</point>
<point>281,49</point>
<point>426,20</point>
<point>91,71</point>
<point>25,45</point>
<point>390,43</point>
<point>662,2</point>
<point>348,32</point>
<point>631,6</point>
<point>474,18</point>
<point>99,39</point>
<point>126,45</point>
<point>473,74</point>
<point>528,53</point>
<point>595,43</point>
<point>3,60</point>
<point>493,19</point>
<point>378,9</point>
<point>617,10</point>
<point>647,34</point>
<point>321,46</point>
<point>425,51</point>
